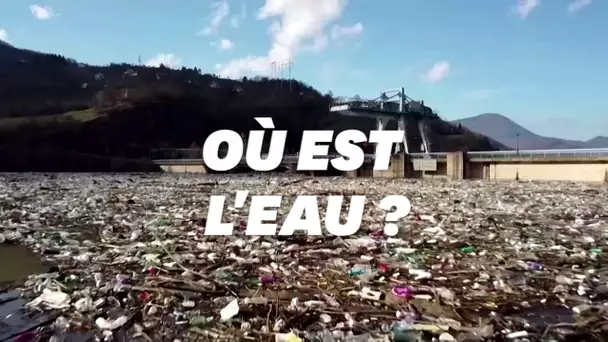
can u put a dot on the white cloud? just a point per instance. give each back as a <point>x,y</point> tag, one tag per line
<point>438,72</point>
<point>299,22</point>
<point>250,65</point>
<point>525,7</point>
<point>220,10</point>
<point>577,5</point>
<point>235,20</point>
<point>318,44</point>
<point>4,36</point>
<point>274,28</point>
<point>42,12</point>
<point>341,32</point>
<point>226,44</point>
<point>223,44</point>
<point>167,59</point>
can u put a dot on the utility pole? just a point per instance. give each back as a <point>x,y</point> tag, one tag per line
<point>285,66</point>
<point>282,69</point>
<point>273,71</point>
<point>289,65</point>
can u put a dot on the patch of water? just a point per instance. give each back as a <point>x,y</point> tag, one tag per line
<point>17,262</point>
<point>542,318</point>
<point>12,320</point>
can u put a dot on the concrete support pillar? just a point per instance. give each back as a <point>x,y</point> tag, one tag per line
<point>455,165</point>
<point>293,168</point>
<point>397,167</point>
<point>425,143</point>
<point>380,125</point>
<point>408,168</point>
<point>402,126</point>
<point>351,174</point>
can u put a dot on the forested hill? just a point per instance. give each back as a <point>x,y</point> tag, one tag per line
<point>44,84</point>
<point>53,103</point>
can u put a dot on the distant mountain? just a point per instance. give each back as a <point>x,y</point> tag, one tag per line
<point>504,130</point>
<point>597,142</point>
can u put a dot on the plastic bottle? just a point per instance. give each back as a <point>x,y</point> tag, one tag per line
<point>468,250</point>
<point>402,330</point>
<point>361,271</point>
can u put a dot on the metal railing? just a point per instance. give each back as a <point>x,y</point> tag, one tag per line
<point>540,154</point>
<point>369,104</point>
<point>287,159</point>
<point>379,106</point>
<point>294,157</point>
<point>433,155</point>
<point>196,154</point>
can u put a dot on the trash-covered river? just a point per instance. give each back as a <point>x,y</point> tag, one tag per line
<point>124,257</point>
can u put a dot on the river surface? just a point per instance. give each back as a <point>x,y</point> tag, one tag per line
<point>16,263</point>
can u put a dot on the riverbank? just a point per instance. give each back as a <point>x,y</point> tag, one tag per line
<point>54,159</point>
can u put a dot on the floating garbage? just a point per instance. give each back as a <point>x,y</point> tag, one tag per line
<point>51,299</point>
<point>231,310</point>
<point>404,292</point>
<point>127,255</point>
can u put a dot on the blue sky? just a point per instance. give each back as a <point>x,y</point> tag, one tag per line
<point>540,62</point>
